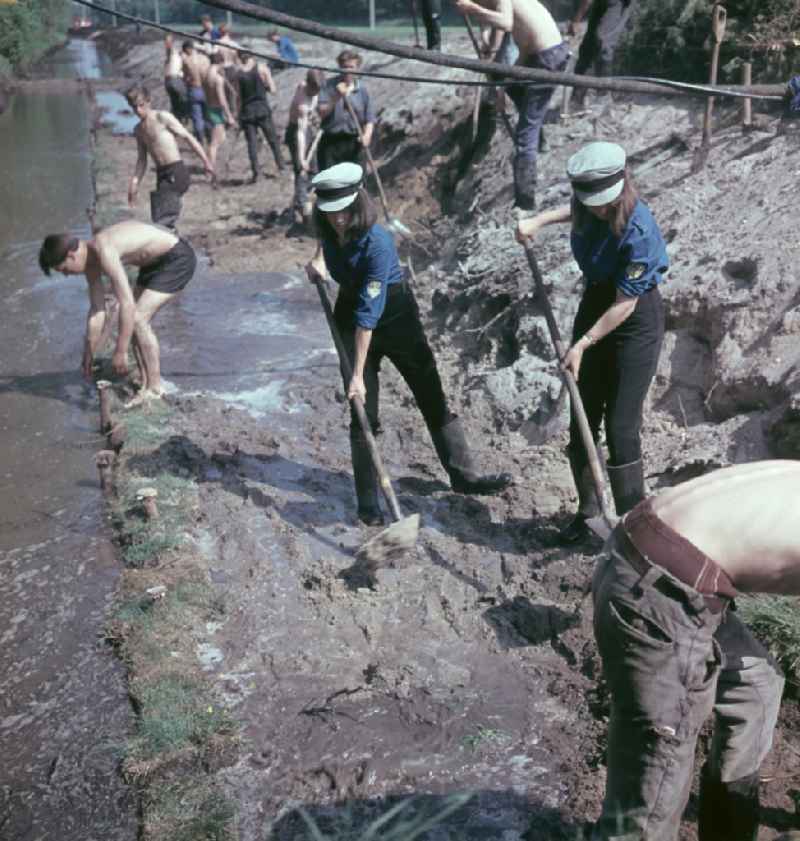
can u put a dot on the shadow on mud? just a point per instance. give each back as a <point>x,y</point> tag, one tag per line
<point>486,816</point>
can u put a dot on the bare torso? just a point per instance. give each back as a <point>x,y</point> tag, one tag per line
<point>160,142</point>
<point>746,518</point>
<point>135,243</point>
<point>533,27</point>
<point>195,68</point>
<point>173,66</point>
<point>302,104</point>
<point>229,55</point>
<point>212,83</point>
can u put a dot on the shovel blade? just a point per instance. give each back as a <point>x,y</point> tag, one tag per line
<point>601,526</point>
<point>400,537</point>
<point>398,227</point>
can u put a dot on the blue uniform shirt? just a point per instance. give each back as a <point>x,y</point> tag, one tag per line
<point>634,262</point>
<point>287,50</point>
<point>364,268</point>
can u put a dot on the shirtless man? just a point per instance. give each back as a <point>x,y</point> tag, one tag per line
<point>541,46</point>
<point>157,133</point>
<point>173,80</point>
<point>298,138</point>
<point>166,264</point>
<point>672,650</point>
<point>230,64</point>
<point>217,108</point>
<point>195,68</point>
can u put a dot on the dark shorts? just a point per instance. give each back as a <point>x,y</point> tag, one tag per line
<point>216,116</point>
<point>173,176</point>
<point>170,272</point>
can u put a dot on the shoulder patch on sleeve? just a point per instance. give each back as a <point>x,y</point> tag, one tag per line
<point>374,288</point>
<point>635,270</point>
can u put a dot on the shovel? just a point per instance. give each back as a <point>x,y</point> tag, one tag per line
<point>393,224</point>
<point>603,524</point>
<point>719,17</point>
<point>401,535</point>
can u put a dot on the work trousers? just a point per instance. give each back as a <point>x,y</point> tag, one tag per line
<point>616,373</point>
<point>337,148</point>
<point>400,337</point>
<point>670,661</point>
<point>431,14</point>
<point>301,179</point>
<point>531,102</point>
<point>197,105</point>
<point>607,22</point>
<point>178,97</point>
<point>251,124</point>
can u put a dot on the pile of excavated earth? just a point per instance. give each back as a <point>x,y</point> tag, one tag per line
<point>470,664</point>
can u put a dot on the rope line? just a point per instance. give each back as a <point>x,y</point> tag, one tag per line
<point>520,75</point>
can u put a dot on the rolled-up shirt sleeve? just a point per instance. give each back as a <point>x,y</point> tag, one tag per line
<point>644,261</point>
<point>380,260</point>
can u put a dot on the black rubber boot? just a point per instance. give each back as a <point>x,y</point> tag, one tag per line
<point>524,183</point>
<point>434,32</point>
<point>627,485</point>
<point>577,530</point>
<point>366,480</point>
<point>728,811</point>
<point>453,451</point>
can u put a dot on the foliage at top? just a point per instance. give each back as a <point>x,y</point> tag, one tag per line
<point>29,28</point>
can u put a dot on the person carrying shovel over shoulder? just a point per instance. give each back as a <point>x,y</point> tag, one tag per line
<point>619,326</point>
<point>341,139</point>
<point>541,46</point>
<point>673,650</point>
<point>377,315</point>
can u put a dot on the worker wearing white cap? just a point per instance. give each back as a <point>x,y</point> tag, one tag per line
<point>619,325</point>
<point>377,315</point>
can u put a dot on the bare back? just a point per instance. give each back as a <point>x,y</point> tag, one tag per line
<point>533,27</point>
<point>214,87</point>
<point>302,104</point>
<point>155,131</point>
<point>134,243</point>
<point>173,64</point>
<point>195,68</point>
<point>746,518</point>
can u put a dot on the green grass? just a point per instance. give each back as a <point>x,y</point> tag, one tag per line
<point>775,620</point>
<point>147,426</point>
<point>406,821</point>
<point>483,736</point>
<point>192,812</point>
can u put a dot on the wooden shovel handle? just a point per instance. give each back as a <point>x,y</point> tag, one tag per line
<point>358,404</point>
<point>572,386</point>
<point>370,161</point>
<point>719,16</point>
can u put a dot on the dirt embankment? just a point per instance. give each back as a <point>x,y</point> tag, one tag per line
<point>469,666</point>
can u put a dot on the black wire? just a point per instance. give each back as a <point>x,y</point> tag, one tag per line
<point>423,79</point>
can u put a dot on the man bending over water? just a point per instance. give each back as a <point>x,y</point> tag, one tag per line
<point>157,133</point>
<point>166,264</point>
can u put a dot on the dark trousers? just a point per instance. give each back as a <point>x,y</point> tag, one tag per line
<point>178,97</point>
<point>531,102</point>
<point>431,13</point>
<point>251,124</point>
<point>172,181</point>
<point>337,148</point>
<point>200,124</point>
<point>399,337</point>
<point>616,373</point>
<point>607,22</point>
<point>301,179</point>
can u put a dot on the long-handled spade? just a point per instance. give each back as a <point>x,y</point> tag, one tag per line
<point>401,535</point>
<point>393,223</point>
<point>603,524</point>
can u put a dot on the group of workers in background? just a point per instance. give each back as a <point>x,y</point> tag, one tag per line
<point>672,650</point>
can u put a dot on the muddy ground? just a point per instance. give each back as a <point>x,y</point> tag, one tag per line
<point>470,665</point>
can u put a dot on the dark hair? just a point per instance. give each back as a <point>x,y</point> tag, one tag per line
<point>348,55</point>
<point>363,213</point>
<point>273,33</point>
<point>187,46</point>
<point>137,92</point>
<point>623,206</point>
<point>54,250</point>
<point>314,81</point>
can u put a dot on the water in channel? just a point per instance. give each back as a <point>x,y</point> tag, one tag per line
<point>64,712</point>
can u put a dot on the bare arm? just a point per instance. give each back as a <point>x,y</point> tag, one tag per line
<point>527,228</point>
<point>220,85</point>
<point>95,321</point>
<point>368,129</point>
<point>580,14</point>
<point>621,309</point>
<point>303,113</point>
<point>501,18</point>
<point>266,78</point>
<point>111,265</point>
<point>179,131</point>
<point>357,387</point>
<point>138,173</point>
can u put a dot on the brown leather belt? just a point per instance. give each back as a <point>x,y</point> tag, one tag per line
<point>715,603</point>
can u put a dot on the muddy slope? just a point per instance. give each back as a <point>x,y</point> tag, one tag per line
<point>469,665</point>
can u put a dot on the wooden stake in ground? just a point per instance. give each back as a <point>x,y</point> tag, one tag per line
<point>718,19</point>
<point>105,466</point>
<point>104,390</point>
<point>747,108</point>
